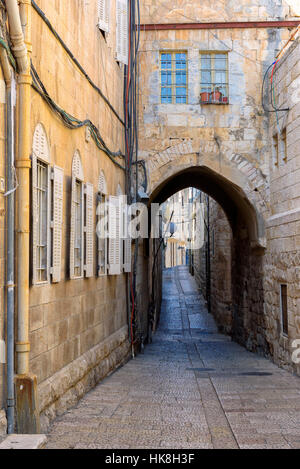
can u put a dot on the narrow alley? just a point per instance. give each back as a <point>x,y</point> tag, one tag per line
<point>192,388</point>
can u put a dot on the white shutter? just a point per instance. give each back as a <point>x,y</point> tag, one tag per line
<point>58,189</point>
<point>34,218</point>
<point>103,15</point>
<point>72,227</point>
<point>127,241</point>
<point>89,230</point>
<point>122,31</point>
<point>114,235</point>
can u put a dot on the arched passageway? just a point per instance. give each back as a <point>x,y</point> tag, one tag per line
<point>247,225</point>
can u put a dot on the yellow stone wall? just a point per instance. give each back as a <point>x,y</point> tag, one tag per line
<point>232,140</point>
<point>69,318</point>
<point>189,11</point>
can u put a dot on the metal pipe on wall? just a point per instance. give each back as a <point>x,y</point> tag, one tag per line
<point>16,34</point>
<point>10,237</point>
<point>10,253</point>
<point>23,164</point>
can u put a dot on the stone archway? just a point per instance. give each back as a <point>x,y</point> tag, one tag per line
<point>238,187</point>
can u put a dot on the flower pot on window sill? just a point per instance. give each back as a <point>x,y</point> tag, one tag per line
<point>216,97</point>
<point>225,100</point>
<point>205,97</point>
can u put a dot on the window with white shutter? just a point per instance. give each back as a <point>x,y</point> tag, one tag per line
<point>41,200</point>
<point>89,229</point>
<point>103,15</point>
<point>57,221</point>
<point>122,31</point>
<point>77,219</point>
<point>114,227</point>
<point>102,226</point>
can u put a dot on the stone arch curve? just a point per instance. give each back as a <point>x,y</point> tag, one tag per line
<point>233,184</point>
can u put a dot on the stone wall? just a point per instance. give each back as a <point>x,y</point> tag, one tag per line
<point>226,10</point>
<point>77,322</point>
<point>220,268</point>
<point>232,141</point>
<point>283,227</point>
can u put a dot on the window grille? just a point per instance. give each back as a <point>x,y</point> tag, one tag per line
<point>78,236</point>
<point>173,76</point>
<point>102,240</point>
<point>42,188</point>
<point>214,78</point>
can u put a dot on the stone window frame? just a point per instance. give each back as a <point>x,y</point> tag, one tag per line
<point>173,85</point>
<point>213,82</point>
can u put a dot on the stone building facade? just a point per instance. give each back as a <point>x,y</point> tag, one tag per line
<point>78,327</point>
<point>77,286</point>
<point>202,125</point>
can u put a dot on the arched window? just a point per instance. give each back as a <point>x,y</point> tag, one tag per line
<point>81,233</point>
<point>47,202</point>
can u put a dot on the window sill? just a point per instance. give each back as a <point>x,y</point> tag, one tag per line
<point>218,103</point>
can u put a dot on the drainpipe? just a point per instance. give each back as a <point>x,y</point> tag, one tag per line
<point>23,165</point>
<point>10,207</point>
<point>10,281</point>
<point>26,384</point>
<point>16,34</point>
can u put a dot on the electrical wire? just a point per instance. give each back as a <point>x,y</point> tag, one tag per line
<point>73,58</point>
<point>9,53</point>
<point>72,122</point>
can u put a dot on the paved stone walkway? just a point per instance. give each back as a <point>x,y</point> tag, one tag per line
<point>192,388</point>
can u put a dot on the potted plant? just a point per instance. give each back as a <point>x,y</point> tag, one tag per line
<point>205,97</point>
<point>216,95</point>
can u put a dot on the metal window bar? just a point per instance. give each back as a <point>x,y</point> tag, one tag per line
<point>102,240</point>
<point>42,213</point>
<point>214,78</point>
<point>78,230</point>
<point>173,77</point>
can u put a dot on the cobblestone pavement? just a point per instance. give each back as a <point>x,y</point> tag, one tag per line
<point>192,388</point>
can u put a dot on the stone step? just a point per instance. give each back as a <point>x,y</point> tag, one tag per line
<point>15,441</point>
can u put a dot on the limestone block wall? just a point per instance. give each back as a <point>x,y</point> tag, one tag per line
<point>226,10</point>
<point>73,317</point>
<point>239,128</point>
<point>220,268</point>
<point>283,228</point>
